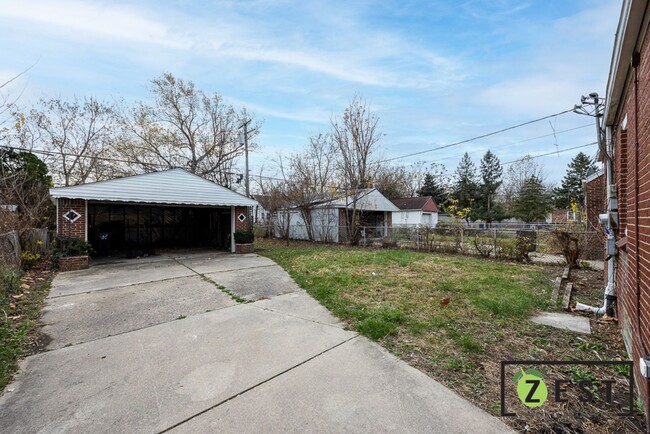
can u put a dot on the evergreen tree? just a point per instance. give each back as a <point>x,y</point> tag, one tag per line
<point>533,202</point>
<point>431,188</point>
<point>466,187</point>
<point>491,173</point>
<point>571,189</point>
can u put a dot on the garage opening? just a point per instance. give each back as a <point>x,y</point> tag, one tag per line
<point>137,230</point>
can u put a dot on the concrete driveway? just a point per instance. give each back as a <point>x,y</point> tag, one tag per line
<point>167,344</point>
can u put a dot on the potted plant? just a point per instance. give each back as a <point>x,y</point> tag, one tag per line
<point>244,241</point>
<point>71,254</point>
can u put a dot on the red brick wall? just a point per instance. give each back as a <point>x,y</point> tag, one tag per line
<point>559,216</point>
<point>632,157</point>
<point>72,263</point>
<point>77,229</point>
<point>595,202</point>
<point>246,224</point>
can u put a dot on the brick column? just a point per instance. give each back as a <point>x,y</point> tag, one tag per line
<point>242,225</point>
<point>72,229</point>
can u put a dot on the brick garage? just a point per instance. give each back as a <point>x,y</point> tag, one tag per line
<point>595,205</point>
<point>627,122</point>
<point>595,201</point>
<point>143,214</point>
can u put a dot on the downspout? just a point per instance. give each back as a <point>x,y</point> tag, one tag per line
<point>612,207</point>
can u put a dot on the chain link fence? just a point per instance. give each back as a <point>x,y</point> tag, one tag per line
<point>476,239</point>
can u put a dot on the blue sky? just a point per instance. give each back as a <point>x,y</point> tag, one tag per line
<point>436,72</point>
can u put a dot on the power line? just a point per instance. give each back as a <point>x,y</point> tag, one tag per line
<point>557,151</point>
<point>482,136</point>
<point>523,141</point>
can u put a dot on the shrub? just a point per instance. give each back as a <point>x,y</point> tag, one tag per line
<point>28,259</point>
<point>569,244</point>
<point>506,248</point>
<point>259,231</point>
<point>65,247</point>
<point>483,245</point>
<point>244,237</point>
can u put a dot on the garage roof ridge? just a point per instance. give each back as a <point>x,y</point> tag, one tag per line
<point>171,186</point>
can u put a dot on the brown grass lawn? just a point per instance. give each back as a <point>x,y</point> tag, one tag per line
<point>456,318</point>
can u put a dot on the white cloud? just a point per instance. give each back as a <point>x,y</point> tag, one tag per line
<point>312,116</point>
<point>570,58</point>
<point>235,36</point>
<point>80,19</point>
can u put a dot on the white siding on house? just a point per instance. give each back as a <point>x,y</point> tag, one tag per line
<point>407,217</point>
<point>414,217</point>
<point>325,223</point>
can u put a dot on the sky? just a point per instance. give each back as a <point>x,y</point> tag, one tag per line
<point>435,72</point>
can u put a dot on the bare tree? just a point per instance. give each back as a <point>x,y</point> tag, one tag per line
<point>311,177</point>
<point>516,176</point>
<point>79,135</point>
<point>185,127</point>
<point>356,138</point>
<point>400,181</point>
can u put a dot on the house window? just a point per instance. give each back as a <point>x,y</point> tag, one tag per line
<point>572,216</point>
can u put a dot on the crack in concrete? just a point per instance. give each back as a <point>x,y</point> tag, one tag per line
<point>220,287</point>
<point>255,386</point>
<point>340,327</point>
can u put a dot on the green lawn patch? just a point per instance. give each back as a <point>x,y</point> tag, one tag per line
<point>455,318</point>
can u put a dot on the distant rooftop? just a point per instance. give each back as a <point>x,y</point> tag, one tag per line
<point>425,203</point>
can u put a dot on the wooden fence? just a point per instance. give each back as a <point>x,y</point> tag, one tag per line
<point>13,244</point>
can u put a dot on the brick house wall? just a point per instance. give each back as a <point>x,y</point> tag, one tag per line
<point>559,216</point>
<point>595,202</point>
<point>67,229</point>
<point>632,177</point>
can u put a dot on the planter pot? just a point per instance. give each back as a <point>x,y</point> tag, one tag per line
<point>244,248</point>
<point>71,263</point>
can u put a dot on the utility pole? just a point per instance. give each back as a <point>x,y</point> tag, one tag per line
<point>244,141</point>
<point>595,101</point>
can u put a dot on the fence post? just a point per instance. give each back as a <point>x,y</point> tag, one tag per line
<point>495,242</point>
<point>417,236</point>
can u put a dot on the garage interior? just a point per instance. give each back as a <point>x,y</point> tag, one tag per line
<point>138,230</point>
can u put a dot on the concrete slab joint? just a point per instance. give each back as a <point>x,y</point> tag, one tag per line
<point>154,345</point>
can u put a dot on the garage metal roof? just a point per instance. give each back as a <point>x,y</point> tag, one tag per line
<point>173,186</point>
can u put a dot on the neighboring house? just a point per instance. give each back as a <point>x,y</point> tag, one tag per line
<point>625,152</point>
<point>415,211</point>
<point>563,216</point>
<point>330,218</point>
<point>595,200</point>
<point>167,209</point>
